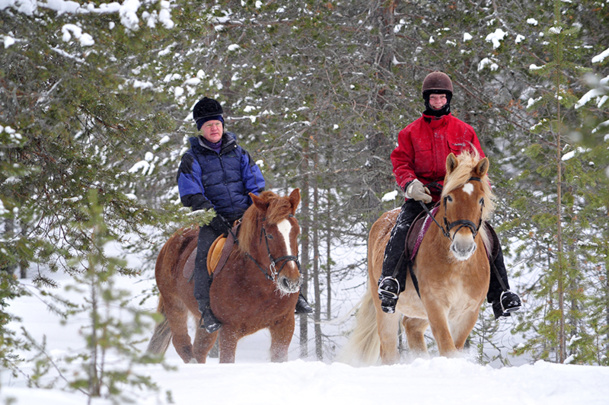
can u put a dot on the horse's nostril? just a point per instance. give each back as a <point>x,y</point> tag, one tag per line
<point>288,285</point>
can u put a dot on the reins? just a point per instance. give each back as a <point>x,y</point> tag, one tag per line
<point>273,261</point>
<point>460,222</point>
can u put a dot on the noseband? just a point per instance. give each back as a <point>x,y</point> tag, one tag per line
<point>460,223</point>
<point>273,272</point>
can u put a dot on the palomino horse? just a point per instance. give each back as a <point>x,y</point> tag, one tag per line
<point>257,288</point>
<point>451,267</point>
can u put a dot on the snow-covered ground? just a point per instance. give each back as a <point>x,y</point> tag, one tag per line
<point>254,380</point>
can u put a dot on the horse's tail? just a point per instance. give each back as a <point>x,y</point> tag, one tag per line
<point>162,333</point>
<point>364,345</point>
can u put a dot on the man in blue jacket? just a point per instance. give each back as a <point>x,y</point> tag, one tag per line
<point>217,173</point>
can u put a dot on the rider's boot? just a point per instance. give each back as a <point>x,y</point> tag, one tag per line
<point>389,290</point>
<point>503,300</point>
<point>209,322</point>
<point>302,306</point>
<point>507,303</point>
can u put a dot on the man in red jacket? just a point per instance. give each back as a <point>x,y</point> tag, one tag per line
<point>419,165</point>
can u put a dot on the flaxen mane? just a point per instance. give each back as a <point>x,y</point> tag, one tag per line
<point>460,176</point>
<point>278,209</point>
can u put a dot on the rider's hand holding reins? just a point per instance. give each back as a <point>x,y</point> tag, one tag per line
<point>220,224</point>
<point>418,192</point>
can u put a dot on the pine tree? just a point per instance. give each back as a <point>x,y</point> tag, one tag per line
<point>560,225</point>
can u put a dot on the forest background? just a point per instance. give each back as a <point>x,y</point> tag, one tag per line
<point>96,104</point>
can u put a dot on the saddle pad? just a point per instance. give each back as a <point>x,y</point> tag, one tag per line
<point>189,266</point>
<point>416,233</point>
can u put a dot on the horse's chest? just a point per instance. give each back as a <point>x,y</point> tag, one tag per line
<point>458,287</point>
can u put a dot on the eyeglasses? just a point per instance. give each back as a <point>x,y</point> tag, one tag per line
<point>212,124</point>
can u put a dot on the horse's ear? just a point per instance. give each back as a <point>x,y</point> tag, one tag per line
<point>451,163</point>
<point>260,203</point>
<point>295,199</point>
<point>482,167</point>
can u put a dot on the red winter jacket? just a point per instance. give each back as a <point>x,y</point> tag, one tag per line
<point>424,145</point>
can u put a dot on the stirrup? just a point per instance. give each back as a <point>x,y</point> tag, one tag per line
<point>390,291</point>
<point>512,305</point>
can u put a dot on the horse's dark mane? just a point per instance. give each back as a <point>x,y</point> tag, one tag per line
<point>279,208</point>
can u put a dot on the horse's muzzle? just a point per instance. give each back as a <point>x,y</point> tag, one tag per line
<point>288,285</point>
<point>463,247</point>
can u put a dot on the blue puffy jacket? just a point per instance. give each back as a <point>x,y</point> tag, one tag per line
<point>222,181</point>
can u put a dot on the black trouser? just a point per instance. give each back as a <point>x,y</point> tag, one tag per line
<point>395,250</point>
<point>207,236</point>
<point>496,286</point>
<point>395,246</point>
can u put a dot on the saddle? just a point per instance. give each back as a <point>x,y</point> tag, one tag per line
<point>421,224</point>
<point>216,257</point>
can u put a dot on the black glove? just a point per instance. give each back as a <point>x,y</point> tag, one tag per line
<point>220,225</point>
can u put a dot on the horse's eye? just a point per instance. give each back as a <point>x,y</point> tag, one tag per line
<point>268,236</point>
<point>481,202</point>
<point>449,198</point>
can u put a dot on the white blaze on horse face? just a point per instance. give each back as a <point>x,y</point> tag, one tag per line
<point>284,284</point>
<point>468,188</point>
<point>284,228</point>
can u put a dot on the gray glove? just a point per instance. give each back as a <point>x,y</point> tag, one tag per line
<point>418,192</point>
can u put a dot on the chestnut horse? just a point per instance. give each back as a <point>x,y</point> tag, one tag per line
<point>451,267</point>
<point>257,288</point>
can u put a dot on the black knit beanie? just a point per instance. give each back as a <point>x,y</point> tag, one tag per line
<point>207,109</point>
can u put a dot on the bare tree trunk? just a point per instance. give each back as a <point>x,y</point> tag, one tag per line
<point>316,286</point>
<point>94,377</point>
<point>305,222</point>
<point>561,271</point>
<point>607,303</point>
<point>328,255</point>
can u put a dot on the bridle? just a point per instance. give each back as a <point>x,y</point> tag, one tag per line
<point>460,223</point>
<point>273,272</point>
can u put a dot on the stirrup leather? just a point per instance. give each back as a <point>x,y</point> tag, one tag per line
<point>387,293</point>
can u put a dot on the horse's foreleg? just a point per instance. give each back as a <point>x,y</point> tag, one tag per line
<point>203,344</point>
<point>281,336</point>
<point>228,345</point>
<point>438,321</point>
<point>462,328</point>
<point>415,333</point>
